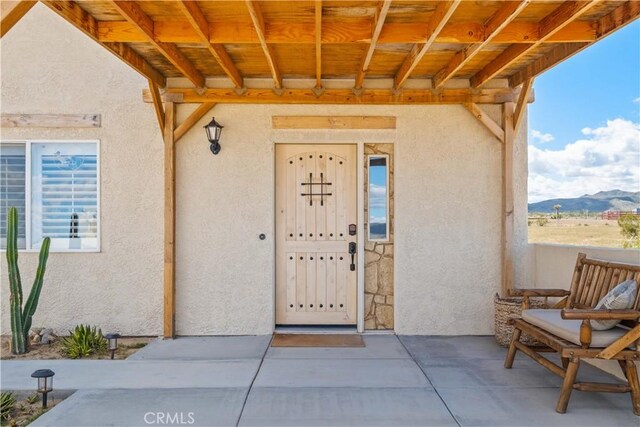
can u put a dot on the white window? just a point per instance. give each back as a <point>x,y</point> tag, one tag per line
<point>55,186</point>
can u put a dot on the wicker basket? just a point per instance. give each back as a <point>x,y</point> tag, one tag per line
<point>506,308</point>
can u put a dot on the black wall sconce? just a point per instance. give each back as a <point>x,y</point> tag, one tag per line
<point>214,129</point>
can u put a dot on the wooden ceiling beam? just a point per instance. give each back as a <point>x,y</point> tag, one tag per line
<point>340,96</point>
<point>86,23</point>
<point>381,16</point>
<point>318,31</point>
<point>547,27</point>
<point>439,18</point>
<point>11,12</point>
<point>258,23</point>
<point>133,13</point>
<point>201,26</point>
<point>494,25</point>
<point>341,33</point>
<point>618,18</point>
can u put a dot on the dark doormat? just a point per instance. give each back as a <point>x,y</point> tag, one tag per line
<point>317,340</point>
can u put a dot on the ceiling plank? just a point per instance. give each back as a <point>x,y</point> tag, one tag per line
<point>618,18</point>
<point>318,30</point>
<point>381,16</point>
<point>11,12</point>
<point>258,22</point>
<point>80,19</point>
<point>201,26</point>
<point>336,32</point>
<point>494,25</point>
<point>193,118</point>
<point>133,13</point>
<point>440,16</point>
<point>341,96</point>
<point>549,25</point>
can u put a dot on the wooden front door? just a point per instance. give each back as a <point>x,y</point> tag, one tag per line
<point>316,278</point>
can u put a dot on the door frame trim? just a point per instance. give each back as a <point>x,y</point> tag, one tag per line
<point>359,208</point>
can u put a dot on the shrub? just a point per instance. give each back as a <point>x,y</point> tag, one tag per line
<point>7,402</point>
<point>542,221</point>
<point>84,341</point>
<point>630,229</point>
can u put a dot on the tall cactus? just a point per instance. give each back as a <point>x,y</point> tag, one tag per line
<point>21,319</point>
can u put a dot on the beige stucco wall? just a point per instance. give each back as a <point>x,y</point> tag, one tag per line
<point>50,67</point>
<point>447,201</point>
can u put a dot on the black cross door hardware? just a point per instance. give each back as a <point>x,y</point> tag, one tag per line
<point>311,193</point>
<point>352,252</point>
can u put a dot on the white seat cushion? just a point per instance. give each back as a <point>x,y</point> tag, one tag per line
<point>551,320</point>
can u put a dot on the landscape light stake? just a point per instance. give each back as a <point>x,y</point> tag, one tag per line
<point>45,383</point>
<point>113,343</point>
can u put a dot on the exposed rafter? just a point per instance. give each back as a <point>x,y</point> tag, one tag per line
<point>336,32</point>
<point>492,27</point>
<point>133,13</point>
<point>318,29</point>
<point>381,15</point>
<point>550,24</point>
<point>11,12</point>
<point>201,26</point>
<point>440,16</point>
<point>620,17</point>
<point>79,18</point>
<point>258,22</point>
<point>340,96</point>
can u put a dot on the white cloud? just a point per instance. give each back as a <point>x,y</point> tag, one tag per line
<point>637,100</point>
<point>607,158</point>
<point>377,196</point>
<point>540,137</point>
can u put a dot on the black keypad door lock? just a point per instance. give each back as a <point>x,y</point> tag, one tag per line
<point>352,252</point>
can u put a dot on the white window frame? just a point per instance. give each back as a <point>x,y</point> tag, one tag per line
<point>387,235</point>
<point>28,178</point>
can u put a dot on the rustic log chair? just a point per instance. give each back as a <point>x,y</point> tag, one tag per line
<point>575,340</point>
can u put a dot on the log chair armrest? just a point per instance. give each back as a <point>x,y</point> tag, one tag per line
<point>538,292</point>
<point>581,314</point>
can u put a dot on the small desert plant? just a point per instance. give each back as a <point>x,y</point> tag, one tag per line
<point>21,317</point>
<point>630,229</point>
<point>32,398</point>
<point>84,341</point>
<point>7,402</point>
<point>542,221</point>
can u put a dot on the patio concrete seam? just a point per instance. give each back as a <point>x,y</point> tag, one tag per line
<point>429,380</point>
<point>246,397</point>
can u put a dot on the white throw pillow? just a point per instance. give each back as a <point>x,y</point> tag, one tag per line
<point>619,298</point>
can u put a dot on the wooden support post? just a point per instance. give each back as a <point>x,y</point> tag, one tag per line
<point>169,221</point>
<point>507,197</point>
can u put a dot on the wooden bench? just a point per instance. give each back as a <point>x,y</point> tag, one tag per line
<point>566,329</point>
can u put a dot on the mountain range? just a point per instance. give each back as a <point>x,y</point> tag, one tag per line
<point>598,202</point>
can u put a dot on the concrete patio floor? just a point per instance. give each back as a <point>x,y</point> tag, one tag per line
<point>393,381</point>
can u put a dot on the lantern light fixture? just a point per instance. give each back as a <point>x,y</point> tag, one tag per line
<point>45,383</point>
<point>113,343</point>
<point>214,129</point>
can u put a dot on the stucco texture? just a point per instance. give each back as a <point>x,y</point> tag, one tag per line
<point>447,201</point>
<point>50,67</point>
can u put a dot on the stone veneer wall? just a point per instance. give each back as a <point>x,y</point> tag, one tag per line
<point>378,269</point>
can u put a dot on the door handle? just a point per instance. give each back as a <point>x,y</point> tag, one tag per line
<point>352,252</point>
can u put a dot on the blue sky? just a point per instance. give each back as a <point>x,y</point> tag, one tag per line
<point>584,127</point>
